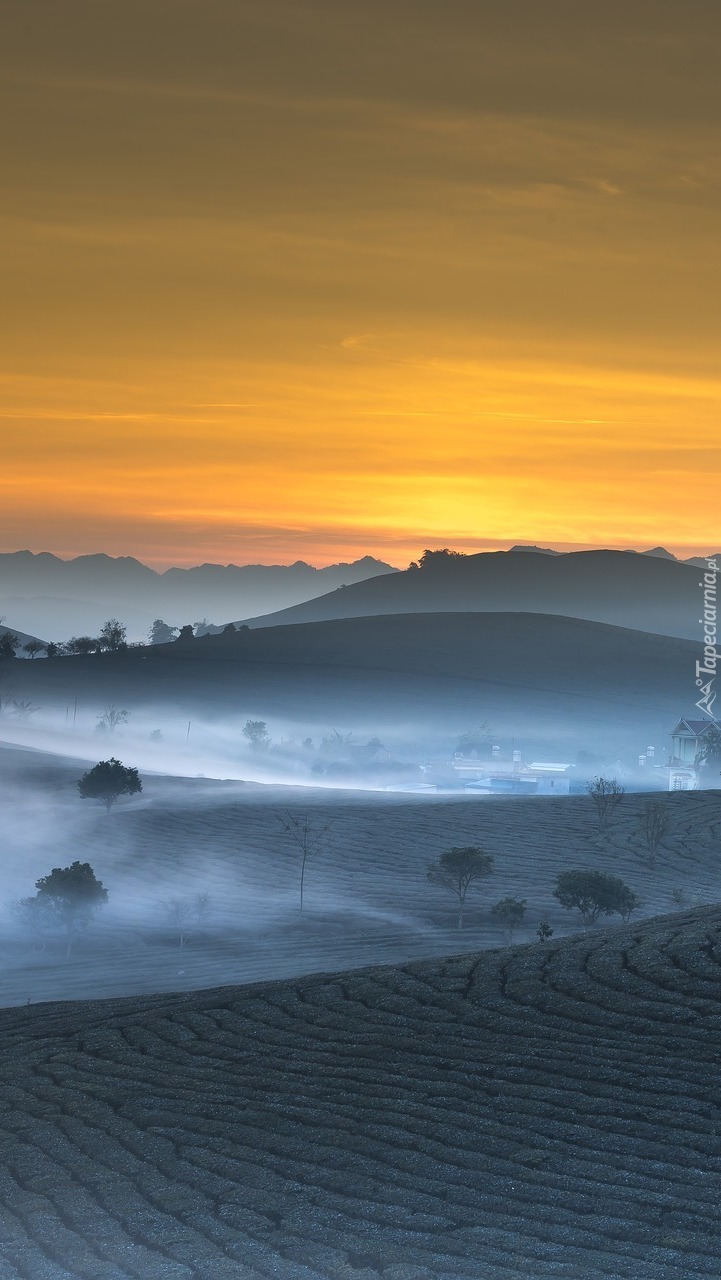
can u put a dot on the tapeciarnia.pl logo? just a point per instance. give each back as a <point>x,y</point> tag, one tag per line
<point>706,670</point>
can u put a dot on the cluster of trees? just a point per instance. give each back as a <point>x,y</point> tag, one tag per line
<point>112,637</point>
<point>593,893</point>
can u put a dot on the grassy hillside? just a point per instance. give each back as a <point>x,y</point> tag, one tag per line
<point>367,899</point>
<point>641,592</point>
<point>551,677</point>
<point>544,1112</point>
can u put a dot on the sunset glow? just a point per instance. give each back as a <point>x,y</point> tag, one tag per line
<point>299,281</point>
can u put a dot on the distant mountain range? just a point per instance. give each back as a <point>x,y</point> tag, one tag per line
<point>44,595</point>
<point>650,592</point>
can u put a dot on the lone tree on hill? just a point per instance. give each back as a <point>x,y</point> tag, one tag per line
<point>73,893</point>
<point>595,893</point>
<point>510,912</point>
<point>108,780</point>
<point>113,635</point>
<point>457,869</point>
<point>653,824</point>
<point>437,559</point>
<point>112,717</point>
<point>256,732</point>
<point>308,838</point>
<point>607,794</point>
<point>34,647</point>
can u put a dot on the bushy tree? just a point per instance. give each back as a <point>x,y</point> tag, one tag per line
<point>709,753</point>
<point>595,893</point>
<point>82,645</point>
<point>510,912</point>
<point>544,931</point>
<point>438,559</point>
<point>108,780</point>
<point>9,642</point>
<point>33,648</point>
<point>457,869</point>
<point>607,794</point>
<point>161,633</point>
<point>256,732</point>
<point>113,635</point>
<point>73,893</point>
<point>186,633</point>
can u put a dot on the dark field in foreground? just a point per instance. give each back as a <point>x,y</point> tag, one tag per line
<point>545,1112</point>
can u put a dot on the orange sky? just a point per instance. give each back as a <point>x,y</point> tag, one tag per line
<point>307,280</point>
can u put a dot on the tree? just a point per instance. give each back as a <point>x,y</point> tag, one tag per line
<point>9,642</point>
<point>36,917</point>
<point>112,717</point>
<point>652,825</point>
<point>709,753</point>
<point>457,869</point>
<point>34,647</point>
<point>438,559</point>
<point>82,645</point>
<point>595,893</point>
<point>308,837</point>
<point>23,708</point>
<point>510,913</point>
<point>161,633</point>
<point>607,794</point>
<point>113,635</point>
<point>256,732</point>
<point>544,931</point>
<point>52,649</point>
<point>108,780</point>
<point>186,633</point>
<point>73,894</point>
<point>185,914</point>
<point>475,741</point>
<point>229,629</point>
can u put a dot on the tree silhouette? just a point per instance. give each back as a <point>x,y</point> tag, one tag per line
<point>256,732</point>
<point>595,893</point>
<point>308,839</point>
<point>108,780</point>
<point>510,913</point>
<point>653,824</point>
<point>161,633</point>
<point>73,893</point>
<point>457,869</point>
<point>113,635</point>
<point>607,794</point>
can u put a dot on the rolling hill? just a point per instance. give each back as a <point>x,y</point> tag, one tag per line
<point>549,679</point>
<point>641,592</point>
<point>549,1111</point>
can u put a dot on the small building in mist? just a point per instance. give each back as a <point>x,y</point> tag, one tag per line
<point>513,775</point>
<point>687,739</point>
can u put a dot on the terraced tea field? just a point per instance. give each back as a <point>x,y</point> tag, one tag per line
<point>550,1111</point>
<point>367,899</point>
